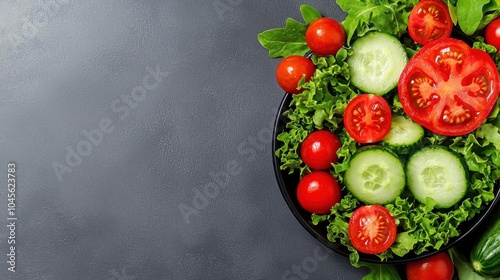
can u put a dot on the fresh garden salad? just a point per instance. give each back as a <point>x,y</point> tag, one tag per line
<point>394,121</point>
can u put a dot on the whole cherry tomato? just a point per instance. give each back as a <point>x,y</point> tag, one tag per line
<point>436,267</point>
<point>492,33</point>
<point>325,36</point>
<point>318,191</point>
<point>291,70</point>
<point>319,149</point>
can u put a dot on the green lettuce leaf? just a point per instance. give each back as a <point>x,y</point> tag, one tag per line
<point>291,40</point>
<point>470,14</point>
<point>380,271</point>
<point>316,108</point>
<point>389,16</point>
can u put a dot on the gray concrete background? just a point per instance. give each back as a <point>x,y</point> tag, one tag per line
<point>120,114</point>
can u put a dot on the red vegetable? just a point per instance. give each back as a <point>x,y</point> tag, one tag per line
<point>448,87</point>
<point>319,149</point>
<point>429,20</point>
<point>372,229</point>
<point>318,191</point>
<point>325,36</point>
<point>291,70</point>
<point>436,267</point>
<point>367,118</point>
<point>492,33</point>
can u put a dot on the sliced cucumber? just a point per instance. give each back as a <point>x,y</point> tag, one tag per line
<point>376,62</point>
<point>405,135</point>
<point>438,173</point>
<point>375,175</point>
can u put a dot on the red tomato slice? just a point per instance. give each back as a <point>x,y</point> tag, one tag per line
<point>429,20</point>
<point>367,118</point>
<point>448,87</point>
<point>372,229</point>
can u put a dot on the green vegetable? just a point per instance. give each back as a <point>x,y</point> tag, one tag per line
<point>485,255</point>
<point>309,13</point>
<point>405,135</point>
<point>473,15</point>
<point>388,16</point>
<point>291,40</point>
<point>377,62</point>
<point>380,271</point>
<point>316,108</point>
<point>375,175</point>
<point>464,268</point>
<point>422,227</point>
<point>469,14</point>
<point>436,173</point>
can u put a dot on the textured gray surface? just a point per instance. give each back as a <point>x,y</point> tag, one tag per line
<point>75,77</point>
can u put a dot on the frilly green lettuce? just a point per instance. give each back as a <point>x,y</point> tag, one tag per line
<point>420,227</point>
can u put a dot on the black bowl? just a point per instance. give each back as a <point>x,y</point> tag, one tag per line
<point>288,185</point>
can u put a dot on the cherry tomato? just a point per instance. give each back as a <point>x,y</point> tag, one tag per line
<point>319,149</point>
<point>492,33</point>
<point>429,20</point>
<point>436,267</point>
<point>372,229</point>
<point>325,36</point>
<point>318,191</point>
<point>291,70</point>
<point>367,118</point>
<point>448,87</point>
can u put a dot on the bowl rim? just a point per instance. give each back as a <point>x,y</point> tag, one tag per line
<point>281,175</point>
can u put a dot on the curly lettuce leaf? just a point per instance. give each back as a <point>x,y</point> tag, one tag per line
<point>315,107</point>
<point>422,227</point>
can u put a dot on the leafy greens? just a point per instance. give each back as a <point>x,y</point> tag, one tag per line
<point>321,106</point>
<point>421,226</point>
<point>389,16</point>
<point>473,15</point>
<point>291,40</point>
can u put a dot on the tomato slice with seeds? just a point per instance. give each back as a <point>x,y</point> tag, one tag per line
<point>372,229</point>
<point>429,20</point>
<point>448,87</point>
<point>367,118</point>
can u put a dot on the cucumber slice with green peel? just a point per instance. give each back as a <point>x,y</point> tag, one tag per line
<point>375,175</point>
<point>405,135</point>
<point>376,62</point>
<point>438,173</point>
